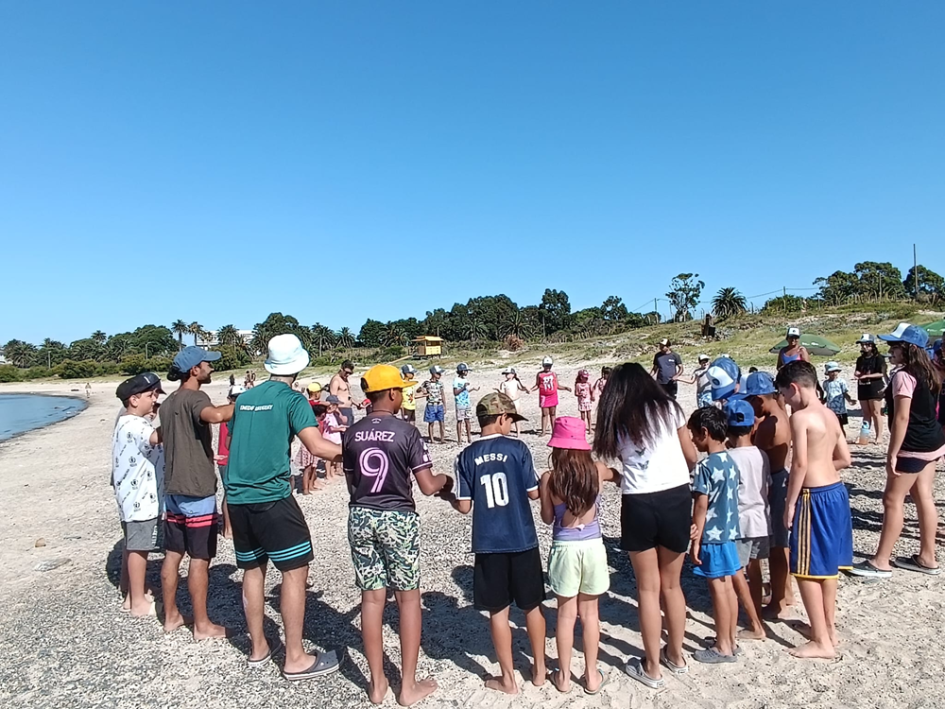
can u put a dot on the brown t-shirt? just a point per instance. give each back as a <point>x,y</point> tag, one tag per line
<point>188,445</point>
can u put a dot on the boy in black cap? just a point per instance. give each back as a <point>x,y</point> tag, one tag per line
<point>138,482</point>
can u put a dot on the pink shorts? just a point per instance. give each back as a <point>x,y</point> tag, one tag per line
<point>546,402</point>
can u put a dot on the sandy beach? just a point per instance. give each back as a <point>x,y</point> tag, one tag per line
<point>68,644</point>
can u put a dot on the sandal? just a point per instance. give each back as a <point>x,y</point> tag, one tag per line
<point>603,680</point>
<point>634,668</point>
<point>913,563</point>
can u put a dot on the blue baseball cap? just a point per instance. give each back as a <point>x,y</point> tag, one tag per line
<point>760,384</point>
<point>911,334</point>
<point>739,412</point>
<point>191,356</point>
<point>724,376</point>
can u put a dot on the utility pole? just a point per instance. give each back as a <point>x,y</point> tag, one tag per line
<point>915,272</point>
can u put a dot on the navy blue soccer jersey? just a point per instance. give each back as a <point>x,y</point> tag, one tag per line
<point>497,473</point>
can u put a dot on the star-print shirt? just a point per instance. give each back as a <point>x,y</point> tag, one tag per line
<point>717,478</point>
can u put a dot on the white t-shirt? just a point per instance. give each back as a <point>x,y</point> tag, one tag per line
<point>137,470</point>
<point>754,473</point>
<point>655,465</point>
<point>510,388</point>
<point>703,383</point>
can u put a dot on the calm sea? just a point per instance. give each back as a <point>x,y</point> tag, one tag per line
<point>25,412</point>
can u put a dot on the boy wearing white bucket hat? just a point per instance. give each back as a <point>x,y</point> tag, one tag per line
<point>267,522</point>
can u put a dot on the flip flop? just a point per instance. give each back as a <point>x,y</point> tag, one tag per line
<point>275,645</point>
<point>325,663</point>
<point>914,564</point>
<point>865,568</point>
<point>603,680</point>
<point>675,669</point>
<point>634,668</point>
<point>551,678</point>
<point>711,656</point>
<point>711,642</point>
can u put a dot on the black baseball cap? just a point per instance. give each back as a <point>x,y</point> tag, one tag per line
<point>138,384</point>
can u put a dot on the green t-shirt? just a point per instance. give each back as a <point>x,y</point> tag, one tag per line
<point>265,420</point>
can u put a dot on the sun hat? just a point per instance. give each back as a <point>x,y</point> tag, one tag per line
<point>665,343</point>
<point>508,370</point>
<point>547,361</point>
<point>740,413</point>
<point>332,399</point>
<point>408,369</point>
<point>462,367</point>
<point>139,384</point>
<point>191,356</point>
<point>911,334</point>
<point>495,404</point>
<point>867,338</point>
<point>703,358</point>
<point>381,377</point>
<point>724,376</point>
<point>570,433</point>
<point>759,384</point>
<point>832,367</point>
<point>793,332</point>
<point>436,369</point>
<point>286,356</point>
<point>314,387</point>
<point>234,391</point>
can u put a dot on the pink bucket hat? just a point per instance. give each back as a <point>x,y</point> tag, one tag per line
<point>569,432</point>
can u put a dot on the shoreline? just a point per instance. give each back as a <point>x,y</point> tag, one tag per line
<point>71,415</point>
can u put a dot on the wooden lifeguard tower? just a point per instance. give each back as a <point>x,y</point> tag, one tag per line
<point>429,346</point>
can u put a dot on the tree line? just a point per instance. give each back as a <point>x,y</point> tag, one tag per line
<point>485,321</point>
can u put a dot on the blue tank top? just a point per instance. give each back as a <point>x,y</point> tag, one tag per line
<point>580,533</point>
<point>790,358</point>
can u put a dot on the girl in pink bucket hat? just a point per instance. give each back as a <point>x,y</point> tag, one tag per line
<point>577,566</point>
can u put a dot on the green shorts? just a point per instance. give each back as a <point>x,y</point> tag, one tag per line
<point>385,548</point>
<point>578,567</point>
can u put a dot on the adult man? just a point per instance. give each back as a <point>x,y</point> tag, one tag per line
<point>190,485</point>
<point>667,367</point>
<point>338,386</point>
<point>266,520</point>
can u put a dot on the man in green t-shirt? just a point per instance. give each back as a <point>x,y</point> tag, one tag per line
<point>266,520</point>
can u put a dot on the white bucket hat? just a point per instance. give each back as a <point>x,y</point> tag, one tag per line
<point>547,360</point>
<point>286,356</point>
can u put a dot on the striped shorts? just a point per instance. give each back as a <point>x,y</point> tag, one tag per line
<point>271,531</point>
<point>822,535</point>
<point>191,526</point>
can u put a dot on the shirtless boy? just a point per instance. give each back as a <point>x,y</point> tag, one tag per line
<point>773,437</point>
<point>818,506</point>
<point>338,386</point>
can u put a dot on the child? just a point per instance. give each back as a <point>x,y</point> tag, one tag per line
<point>409,409</point>
<point>584,392</point>
<point>432,391</point>
<point>773,436</point>
<point>307,462</point>
<point>461,389</point>
<point>335,424</point>
<point>512,387</point>
<point>497,478</point>
<point>818,506</point>
<point>223,456</point>
<point>835,390</point>
<point>700,377</point>
<point>577,566</point>
<point>138,481</point>
<point>715,529</point>
<point>382,454</point>
<point>753,515</point>
<point>315,394</point>
<point>546,384</point>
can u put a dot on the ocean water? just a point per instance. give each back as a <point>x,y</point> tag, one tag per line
<point>25,412</point>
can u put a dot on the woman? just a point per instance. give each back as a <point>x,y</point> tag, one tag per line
<point>639,424</point>
<point>870,378</point>
<point>916,444</point>
<point>793,350</point>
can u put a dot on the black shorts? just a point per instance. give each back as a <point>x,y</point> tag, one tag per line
<point>505,578</point>
<point>671,388</point>
<point>191,526</point>
<point>844,419</point>
<point>271,531</point>
<point>656,519</point>
<point>910,466</point>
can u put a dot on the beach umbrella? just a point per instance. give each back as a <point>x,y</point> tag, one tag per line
<point>935,329</point>
<point>815,344</point>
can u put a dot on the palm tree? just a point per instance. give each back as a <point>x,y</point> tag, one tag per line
<point>179,328</point>
<point>728,302</point>
<point>99,337</point>
<point>322,337</point>
<point>474,330</point>
<point>514,325</point>
<point>19,353</point>
<point>344,338</point>
<point>228,335</point>
<point>393,335</point>
<point>195,329</point>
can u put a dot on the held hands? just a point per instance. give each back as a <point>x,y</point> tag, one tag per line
<point>446,492</point>
<point>694,551</point>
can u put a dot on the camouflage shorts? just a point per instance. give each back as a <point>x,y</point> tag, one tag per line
<point>385,549</point>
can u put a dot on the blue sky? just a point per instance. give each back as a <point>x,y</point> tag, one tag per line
<point>218,161</point>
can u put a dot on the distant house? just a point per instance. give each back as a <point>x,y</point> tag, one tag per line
<point>429,346</point>
<point>3,360</point>
<point>211,338</point>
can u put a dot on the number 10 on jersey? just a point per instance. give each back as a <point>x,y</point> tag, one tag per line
<point>497,489</point>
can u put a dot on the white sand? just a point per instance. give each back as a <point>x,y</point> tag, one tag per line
<point>67,644</point>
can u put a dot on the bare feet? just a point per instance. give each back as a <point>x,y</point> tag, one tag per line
<point>748,634</point>
<point>814,650</point>
<point>377,692</point>
<point>210,632</point>
<point>174,621</point>
<point>144,609</point>
<point>502,684</point>
<point>771,612</point>
<point>413,694</point>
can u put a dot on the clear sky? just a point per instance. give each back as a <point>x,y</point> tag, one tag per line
<point>217,161</point>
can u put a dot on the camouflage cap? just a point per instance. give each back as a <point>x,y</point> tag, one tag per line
<point>497,403</point>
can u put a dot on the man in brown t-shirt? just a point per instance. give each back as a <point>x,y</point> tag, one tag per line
<point>190,484</point>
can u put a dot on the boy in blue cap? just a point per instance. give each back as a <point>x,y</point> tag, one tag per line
<point>773,436</point>
<point>753,514</point>
<point>724,378</point>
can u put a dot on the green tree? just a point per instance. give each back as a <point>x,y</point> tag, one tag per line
<point>19,353</point>
<point>99,336</point>
<point>180,328</point>
<point>371,333</point>
<point>784,304</point>
<point>931,285</point>
<point>153,340</point>
<point>838,288</point>
<point>394,335</point>
<point>195,329</point>
<point>728,302</point>
<point>344,338</point>
<point>322,338</point>
<point>228,335</point>
<point>87,348</point>
<point>435,323</point>
<point>274,324</point>
<point>879,280</point>
<point>613,310</point>
<point>685,290</point>
<point>556,310</point>
<point>70,369</point>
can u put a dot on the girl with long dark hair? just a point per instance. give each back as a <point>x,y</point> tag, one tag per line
<point>870,375</point>
<point>639,424</point>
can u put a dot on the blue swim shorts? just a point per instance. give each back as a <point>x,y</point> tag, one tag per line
<point>718,561</point>
<point>822,535</point>
<point>433,412</point>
